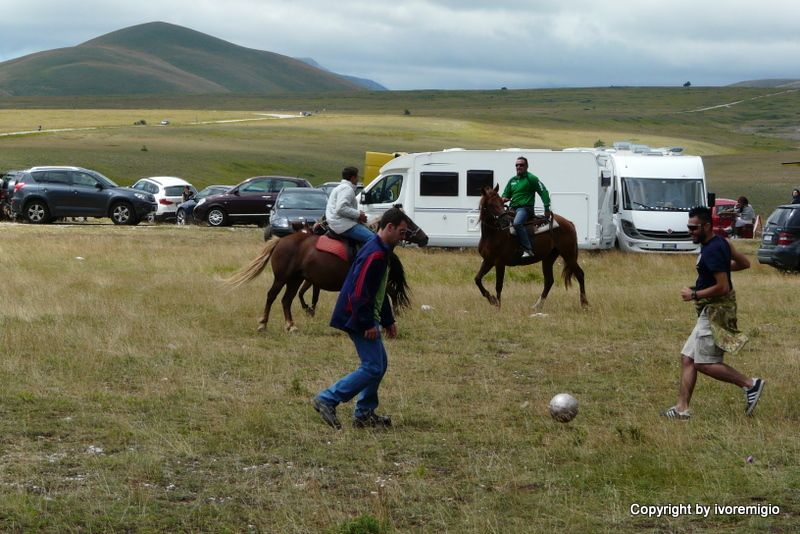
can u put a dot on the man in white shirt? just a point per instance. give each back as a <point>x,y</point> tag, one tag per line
<point>342,213</point>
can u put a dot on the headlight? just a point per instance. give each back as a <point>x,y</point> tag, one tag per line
<point>629,229</point>
<point>280,222</point>
<point>140,196</point>
<point>202,201</point>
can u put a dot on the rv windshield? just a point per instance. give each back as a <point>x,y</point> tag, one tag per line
<point>659,194</point>
<point>386,190</point>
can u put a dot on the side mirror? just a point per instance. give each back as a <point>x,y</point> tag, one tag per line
<point>712,199</point>
<point>98,186</point>
<point>365,198</point>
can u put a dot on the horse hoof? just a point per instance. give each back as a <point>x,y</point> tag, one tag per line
<point>493,301</point>
<point>309,311</point>
<point>261,327</point>
<point>291,328</point>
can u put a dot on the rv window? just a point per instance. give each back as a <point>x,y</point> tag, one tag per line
<point>438,184</point>
<point>477,180</point>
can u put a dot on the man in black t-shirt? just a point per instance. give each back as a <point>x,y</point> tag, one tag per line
<point>715,331</point>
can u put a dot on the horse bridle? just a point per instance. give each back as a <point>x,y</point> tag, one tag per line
<point>497,219</point>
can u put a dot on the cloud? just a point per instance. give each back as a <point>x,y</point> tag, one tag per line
<point>466,44</point>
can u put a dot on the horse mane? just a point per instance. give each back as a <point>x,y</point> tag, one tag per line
<point>396,285</point>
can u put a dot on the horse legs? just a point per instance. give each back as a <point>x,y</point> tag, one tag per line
<point>292,286</point>
<point>579,275</point>
<point>272,294</point>
<point>486,266</point>
<point>500,275</point>
<point>547,271</point>
<point>310,311</point>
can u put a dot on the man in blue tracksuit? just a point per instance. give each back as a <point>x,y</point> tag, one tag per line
<point>363,311</point>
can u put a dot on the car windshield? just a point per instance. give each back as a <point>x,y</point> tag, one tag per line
<point>104,180</point>
<point>208,191</point>
<point>659,194</point>
<point>306,200</point>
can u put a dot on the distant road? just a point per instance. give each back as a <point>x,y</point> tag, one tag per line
<point>730,104</point>
<point>263,117</point>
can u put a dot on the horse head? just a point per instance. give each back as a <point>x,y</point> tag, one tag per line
<point>414,234</point>
<point>491,206</point>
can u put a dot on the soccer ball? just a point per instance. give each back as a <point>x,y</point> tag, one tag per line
<point>563,407</point>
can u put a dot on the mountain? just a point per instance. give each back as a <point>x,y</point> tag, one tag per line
<point>363,82</point>
<point>162,58</point>
<point>782,83</point>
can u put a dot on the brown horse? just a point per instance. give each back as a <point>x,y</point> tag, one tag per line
<point>295,260</point>
<point>499,248</point>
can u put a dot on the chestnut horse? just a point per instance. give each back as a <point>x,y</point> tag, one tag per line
<point>295,260</point>
<point>499,248</point>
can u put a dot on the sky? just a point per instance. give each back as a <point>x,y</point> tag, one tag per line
<point>460,44</point>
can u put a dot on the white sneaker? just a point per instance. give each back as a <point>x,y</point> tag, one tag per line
<point>526,254</point>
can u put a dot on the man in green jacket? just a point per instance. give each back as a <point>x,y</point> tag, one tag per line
<point>521,191</point>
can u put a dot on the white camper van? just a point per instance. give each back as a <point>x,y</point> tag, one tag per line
<point>654,191</point>
<point>441,190</point>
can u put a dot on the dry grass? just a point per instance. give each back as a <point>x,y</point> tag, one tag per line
<point>205,425</point>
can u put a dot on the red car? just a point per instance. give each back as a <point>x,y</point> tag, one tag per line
<point>723,217</point>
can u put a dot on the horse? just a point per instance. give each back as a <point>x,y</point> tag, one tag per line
<point>499,249</point>
<point>296,260</point>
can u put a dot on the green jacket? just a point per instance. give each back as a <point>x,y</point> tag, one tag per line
<point>522,191</point>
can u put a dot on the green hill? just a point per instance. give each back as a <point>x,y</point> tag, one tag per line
<point>162,58</point>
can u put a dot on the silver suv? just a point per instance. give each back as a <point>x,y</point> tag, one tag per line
<point>43,194</point>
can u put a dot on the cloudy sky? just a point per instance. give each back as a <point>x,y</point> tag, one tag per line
<point>460,44</point>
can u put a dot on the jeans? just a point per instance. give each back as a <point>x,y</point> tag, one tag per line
<point>359,233</point>
<point>364,380</point>
<point>523,213</point>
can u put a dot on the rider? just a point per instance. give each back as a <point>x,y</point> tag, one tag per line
<point>342,213</point>
<point>521,191</point>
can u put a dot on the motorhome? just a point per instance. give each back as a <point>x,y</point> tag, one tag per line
<point>621,195</point>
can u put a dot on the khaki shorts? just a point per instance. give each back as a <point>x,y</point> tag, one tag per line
<point>700,345</point>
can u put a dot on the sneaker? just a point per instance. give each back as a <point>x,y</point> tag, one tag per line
<point>372,420</point>
<point>328,413</point>
<point>673,413</point>
<point>752,395</point>
<point>527,254</point>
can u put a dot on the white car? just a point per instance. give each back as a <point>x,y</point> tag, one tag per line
<point>168,191</point>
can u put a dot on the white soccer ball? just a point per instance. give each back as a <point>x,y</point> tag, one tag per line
<point>563,407</point>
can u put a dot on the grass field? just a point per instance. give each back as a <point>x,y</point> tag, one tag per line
<point>138,396</point>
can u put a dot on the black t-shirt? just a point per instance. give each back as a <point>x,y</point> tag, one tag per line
<point>714,257</point>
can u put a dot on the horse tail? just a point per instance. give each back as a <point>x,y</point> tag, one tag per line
<point>396,285</point>
<point>255,267</point>
<point>570,255</point>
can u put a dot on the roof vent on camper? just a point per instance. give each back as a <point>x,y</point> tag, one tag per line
<point>675,150</point>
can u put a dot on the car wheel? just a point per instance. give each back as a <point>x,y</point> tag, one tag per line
<point>180,217</point>
<point>267,232</point>
<point>36,212</point>
<point>122,213</point>
<point>217,217</point>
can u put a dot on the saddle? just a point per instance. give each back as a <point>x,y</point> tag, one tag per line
<point>335,244</point>
<point>538,223</point>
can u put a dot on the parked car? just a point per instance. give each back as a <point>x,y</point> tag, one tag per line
<point>780,241</point>
<point>328,187</point>
<point>185,213</point>
<point>294,208</point>
<point>42,194</point>
<point>248,202</point>
<point>168,191</point>
<point>723,215</point>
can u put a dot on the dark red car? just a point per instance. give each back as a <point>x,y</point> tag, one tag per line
<point>723,216</point>
<point>248,202</point>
